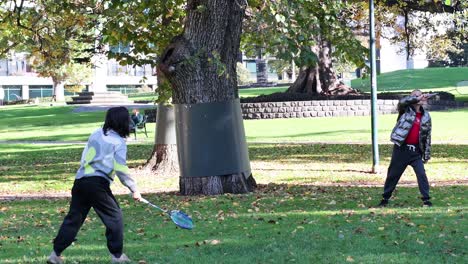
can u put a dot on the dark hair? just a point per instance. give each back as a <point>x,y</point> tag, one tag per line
<point>117,119</point>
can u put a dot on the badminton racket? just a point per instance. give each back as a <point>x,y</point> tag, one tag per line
<point>179,218</point>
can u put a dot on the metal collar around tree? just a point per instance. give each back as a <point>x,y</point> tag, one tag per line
<point>211,139</point>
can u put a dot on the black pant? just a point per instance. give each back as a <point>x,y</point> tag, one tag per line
<point>402,157</point>
<point>86,193</point>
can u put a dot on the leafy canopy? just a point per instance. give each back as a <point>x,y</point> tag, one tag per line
<point>293,30</point>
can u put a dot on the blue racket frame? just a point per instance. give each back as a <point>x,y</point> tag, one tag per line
<point>179,218</point>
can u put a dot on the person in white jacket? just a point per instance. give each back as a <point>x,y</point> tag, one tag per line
<point>103,157</point>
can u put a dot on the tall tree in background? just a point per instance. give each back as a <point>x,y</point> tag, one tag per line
<point>315,34</point>
<point>54,33</point>
<point>437,27</point>
<point>311,33</point>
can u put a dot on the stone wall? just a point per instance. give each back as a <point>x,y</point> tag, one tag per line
<point>323,108</point>
<point>327,108</point>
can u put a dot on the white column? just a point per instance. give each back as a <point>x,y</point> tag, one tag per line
<point>293,69</point>
<point>100,75</point>
<point>25,92</point>
<point>2,94</point>
<point>410,64</point>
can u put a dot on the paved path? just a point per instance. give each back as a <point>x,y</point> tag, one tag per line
<point>94,108</point>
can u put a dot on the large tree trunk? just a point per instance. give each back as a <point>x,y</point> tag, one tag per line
<point>200,65</point>
<point>321,78</point>
<point>164,160</point>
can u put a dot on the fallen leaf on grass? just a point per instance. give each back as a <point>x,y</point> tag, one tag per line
<point>359,230</point>
<point>215,242</point>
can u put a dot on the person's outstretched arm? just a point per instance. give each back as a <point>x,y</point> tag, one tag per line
<point>122,171</point>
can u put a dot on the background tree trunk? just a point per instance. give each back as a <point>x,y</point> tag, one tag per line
<point>320,78</point>
<point>200,65</point>
<point>164,160</point>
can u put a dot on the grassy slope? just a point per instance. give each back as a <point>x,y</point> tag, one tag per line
<point>447,127</point>
<point>429,79</point>
<point>252,92</point>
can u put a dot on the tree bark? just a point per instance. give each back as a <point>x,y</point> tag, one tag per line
<point>200,65</point>
<point>164,160</point>
<point>320,78</point>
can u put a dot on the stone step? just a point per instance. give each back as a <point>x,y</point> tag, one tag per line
<point>114,98</point>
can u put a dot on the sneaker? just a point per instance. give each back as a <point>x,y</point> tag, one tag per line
<point>427,203</point>
<point>123,259</point>
<point>54,259</point>
<point>383,203</point>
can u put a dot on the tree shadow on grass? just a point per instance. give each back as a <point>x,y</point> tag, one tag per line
<point>34,163</point>
<point>331,134</point>
<point>339,153</point>
<point>53,138</point>
<point>55,116</point>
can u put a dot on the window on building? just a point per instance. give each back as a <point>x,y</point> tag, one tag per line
<point>3,67</point>
<point>40,91</point>
<point>115,69</point>
<point>12,92</point>
<point>252,68</point>
<point>124,89</point>
<point>121,48</point>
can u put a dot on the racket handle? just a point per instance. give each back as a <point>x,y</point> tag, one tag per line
<point>143,200</point>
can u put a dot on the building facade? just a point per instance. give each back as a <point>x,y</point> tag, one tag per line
<point>19,81</point>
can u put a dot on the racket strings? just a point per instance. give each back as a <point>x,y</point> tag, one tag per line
<point>181,219</point>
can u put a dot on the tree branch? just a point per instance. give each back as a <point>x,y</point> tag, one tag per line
<point>427,5</point>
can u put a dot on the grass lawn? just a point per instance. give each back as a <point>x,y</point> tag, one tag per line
<point>253,92</point>
<point>314,203</point>
<point>32,169</point>
<point>429,79</point>
<point>447,128</point>
<point>60,124</point>
<point>52,124</point>
<point>276,224</point>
